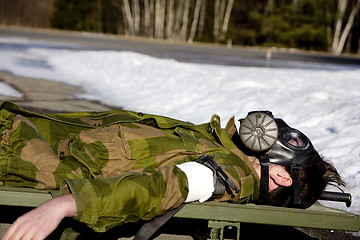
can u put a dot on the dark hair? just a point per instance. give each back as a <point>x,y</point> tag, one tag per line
<point>314,177</point>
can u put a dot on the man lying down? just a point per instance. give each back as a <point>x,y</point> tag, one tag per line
<point>122,166</point>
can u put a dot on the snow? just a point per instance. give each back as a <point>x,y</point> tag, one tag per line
<point>7,90</point>
<point>322,101</point>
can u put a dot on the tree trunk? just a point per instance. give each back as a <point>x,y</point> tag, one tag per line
<point>348,26</point>
<point>162,17</point>
<point>99,16</point>
<point>221,12</point>
<point>341,11</point>
<point>152,16</point>
<point>157,18</point>
<point>202,20</point>
<point>146,18</point>
<point>128,19</point>
<point>195,21</point>
<point>185,20</point>
<point>226,19</point>
<point>216,20</point>
<point>136,14</point>
<point>179,11</point>
<point>170,19</point>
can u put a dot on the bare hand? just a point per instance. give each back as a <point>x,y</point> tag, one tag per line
<point>40,222</point>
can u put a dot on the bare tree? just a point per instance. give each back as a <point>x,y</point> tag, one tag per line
<point>221,11</point>
<point>136,14</point>
<point>146,18</point>
<point>157,18</point>
<point>202,19</point>
<point>340,38</point>
<point>221,20</point>
<point>31,13</point>
<point>216,20</point>
<point>226,19</point>
<point>127,16</point>
<point>131,15</point>
<point>185,20</point>
<point>99,16</point>
<point>178,19</point>
<point>195,21</point>
<point>152,14</point>
<point>160,6</point>
<point>170,20</point>
<point>163,18</point>
<point>341,11</point>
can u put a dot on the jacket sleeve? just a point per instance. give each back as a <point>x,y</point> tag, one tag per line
<point>104,203</point>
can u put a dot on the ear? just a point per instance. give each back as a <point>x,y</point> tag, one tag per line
<point>281,176</point>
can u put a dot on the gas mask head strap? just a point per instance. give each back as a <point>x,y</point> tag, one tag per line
<point>295,173</point>
<point>264,179</point>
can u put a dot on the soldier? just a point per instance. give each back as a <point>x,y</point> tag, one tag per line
<point>121,166</point>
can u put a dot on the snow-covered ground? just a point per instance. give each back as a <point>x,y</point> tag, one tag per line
<point>323,102</point>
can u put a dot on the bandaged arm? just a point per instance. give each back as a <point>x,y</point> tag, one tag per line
<point>200,181</point>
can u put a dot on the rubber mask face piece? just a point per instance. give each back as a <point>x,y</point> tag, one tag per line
<point>284,146</point>
<point>261,133</point>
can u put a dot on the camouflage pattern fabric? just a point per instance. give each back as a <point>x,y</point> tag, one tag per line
<point>119,165</point>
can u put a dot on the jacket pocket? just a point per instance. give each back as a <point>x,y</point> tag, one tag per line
<point>141,141</point>
<point>190,141</point>
<point>79,152</point>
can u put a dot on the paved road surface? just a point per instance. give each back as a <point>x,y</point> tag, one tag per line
<point>200,53</point>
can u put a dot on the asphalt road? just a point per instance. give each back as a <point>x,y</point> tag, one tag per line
<point>196,52</point>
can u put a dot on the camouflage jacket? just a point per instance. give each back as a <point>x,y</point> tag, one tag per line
<point>119,165</point>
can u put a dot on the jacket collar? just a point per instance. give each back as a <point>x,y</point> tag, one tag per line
<point>225,135</point>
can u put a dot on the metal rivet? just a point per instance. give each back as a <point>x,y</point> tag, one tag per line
<point>62,156</point>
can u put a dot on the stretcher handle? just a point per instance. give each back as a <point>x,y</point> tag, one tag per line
<point>337,196</point>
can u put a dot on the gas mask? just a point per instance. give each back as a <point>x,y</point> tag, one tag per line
<point>271,140</point>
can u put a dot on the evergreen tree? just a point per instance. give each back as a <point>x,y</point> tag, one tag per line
<point>77,15</point>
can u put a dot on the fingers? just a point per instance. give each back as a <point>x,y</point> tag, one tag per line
<point>40,222</point>
<point>27,228</point>
<point>10,232</point>
<point>17,231</point>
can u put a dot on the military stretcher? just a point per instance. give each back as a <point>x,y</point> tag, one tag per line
<point>218,215</point>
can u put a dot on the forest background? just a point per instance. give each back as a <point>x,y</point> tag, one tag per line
<point>318,25</point>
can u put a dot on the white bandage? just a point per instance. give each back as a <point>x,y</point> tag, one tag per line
<point>200,180</point>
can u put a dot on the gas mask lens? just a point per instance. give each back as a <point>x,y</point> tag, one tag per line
<point>294,138</point>
<point>296,142</point>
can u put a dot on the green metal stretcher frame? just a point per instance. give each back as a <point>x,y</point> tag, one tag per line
<point>221,215</point>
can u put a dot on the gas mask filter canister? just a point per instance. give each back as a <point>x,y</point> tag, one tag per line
<point>258,131</point>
